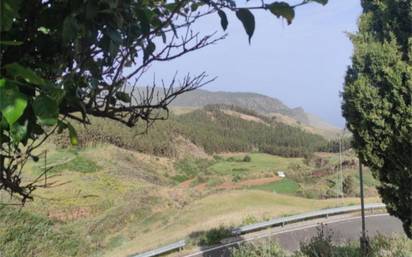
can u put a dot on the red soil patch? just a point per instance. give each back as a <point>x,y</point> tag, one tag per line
<point>69,215</point>
<point>186,184</point>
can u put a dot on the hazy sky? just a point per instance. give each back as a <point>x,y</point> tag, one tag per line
<point>302,64</point>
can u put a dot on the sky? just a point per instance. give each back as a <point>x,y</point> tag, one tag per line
<point>303,64</point>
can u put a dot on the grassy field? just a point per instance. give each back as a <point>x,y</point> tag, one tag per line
<point>227,209</point>
<point>107,201</point>
<point>284,186</point>
<point>259,163</point>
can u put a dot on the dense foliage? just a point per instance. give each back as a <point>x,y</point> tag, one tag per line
<point>378,100</point>
<point>339,144</point>
<point>218,132</point>
<point>211,129</point>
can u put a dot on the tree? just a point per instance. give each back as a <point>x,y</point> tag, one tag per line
<point>377,100</point>
<point>90,63</point>
<point>349,185</point>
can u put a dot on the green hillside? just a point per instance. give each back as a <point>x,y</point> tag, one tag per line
<point>108,201</point>
<point>213,129</point>
<point>261,104</point>
<point>122,191</point>
<point>216,131</point>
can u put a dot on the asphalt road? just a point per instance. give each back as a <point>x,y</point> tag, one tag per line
<point>345,229</point>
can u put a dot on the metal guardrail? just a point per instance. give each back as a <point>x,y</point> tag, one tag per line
<point>304,216</point>
<point>270,223</point>
<point>162,250</point>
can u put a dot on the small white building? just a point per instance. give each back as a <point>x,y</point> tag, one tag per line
<point>281,174</point>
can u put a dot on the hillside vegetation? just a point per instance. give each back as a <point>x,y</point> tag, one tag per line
<point>261,104</point>
<point>122,191</point>
<point>103,200</point>
<point>213,129</point>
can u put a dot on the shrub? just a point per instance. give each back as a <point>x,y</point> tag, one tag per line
<point>212,236</point>
<point>349,185</point>
<point>264,249</point>
<point>322,246</point>
<point>380,246</point>
<point>319,246</point>
<point>236,178</point>
<point>247,158</point>
<point>214,182</point>
<point>249,220</point>
<point>190,168</point>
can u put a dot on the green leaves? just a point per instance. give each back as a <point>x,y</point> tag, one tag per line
<point>72,134</point>
<point>12,102</point>
<point>17,71</point>
<point>282,9</point>
<point>223,19</point>
<point>123,96</point>
<point>248,21</point>
<point>44,30</point>
<point>150,48</point>
<point>18,132</point>
<point>46,110</point>
<point>10,43</point>
<point>9,11</point>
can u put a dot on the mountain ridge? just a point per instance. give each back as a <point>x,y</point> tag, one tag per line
<point>260,103</point>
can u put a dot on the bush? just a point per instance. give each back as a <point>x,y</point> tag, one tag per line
<point>322,245</point>
<point>319,246</point>
<point>236,178</point>
<point>190,168</point>
<point>212,236</point>
<point>247,158</point>
<point>380,246</point>
<point>349,186</point>
<point>264,249</point>
<point>249,220</point>
<point>214,182</point>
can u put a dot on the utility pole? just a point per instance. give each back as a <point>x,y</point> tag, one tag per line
<point>340,167</point>
<point>340,179</point>
<point>363,240</point>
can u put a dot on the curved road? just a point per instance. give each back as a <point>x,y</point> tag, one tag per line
<point>343,229</point>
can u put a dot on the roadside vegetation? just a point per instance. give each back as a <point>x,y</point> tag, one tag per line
<point>322,246</point>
